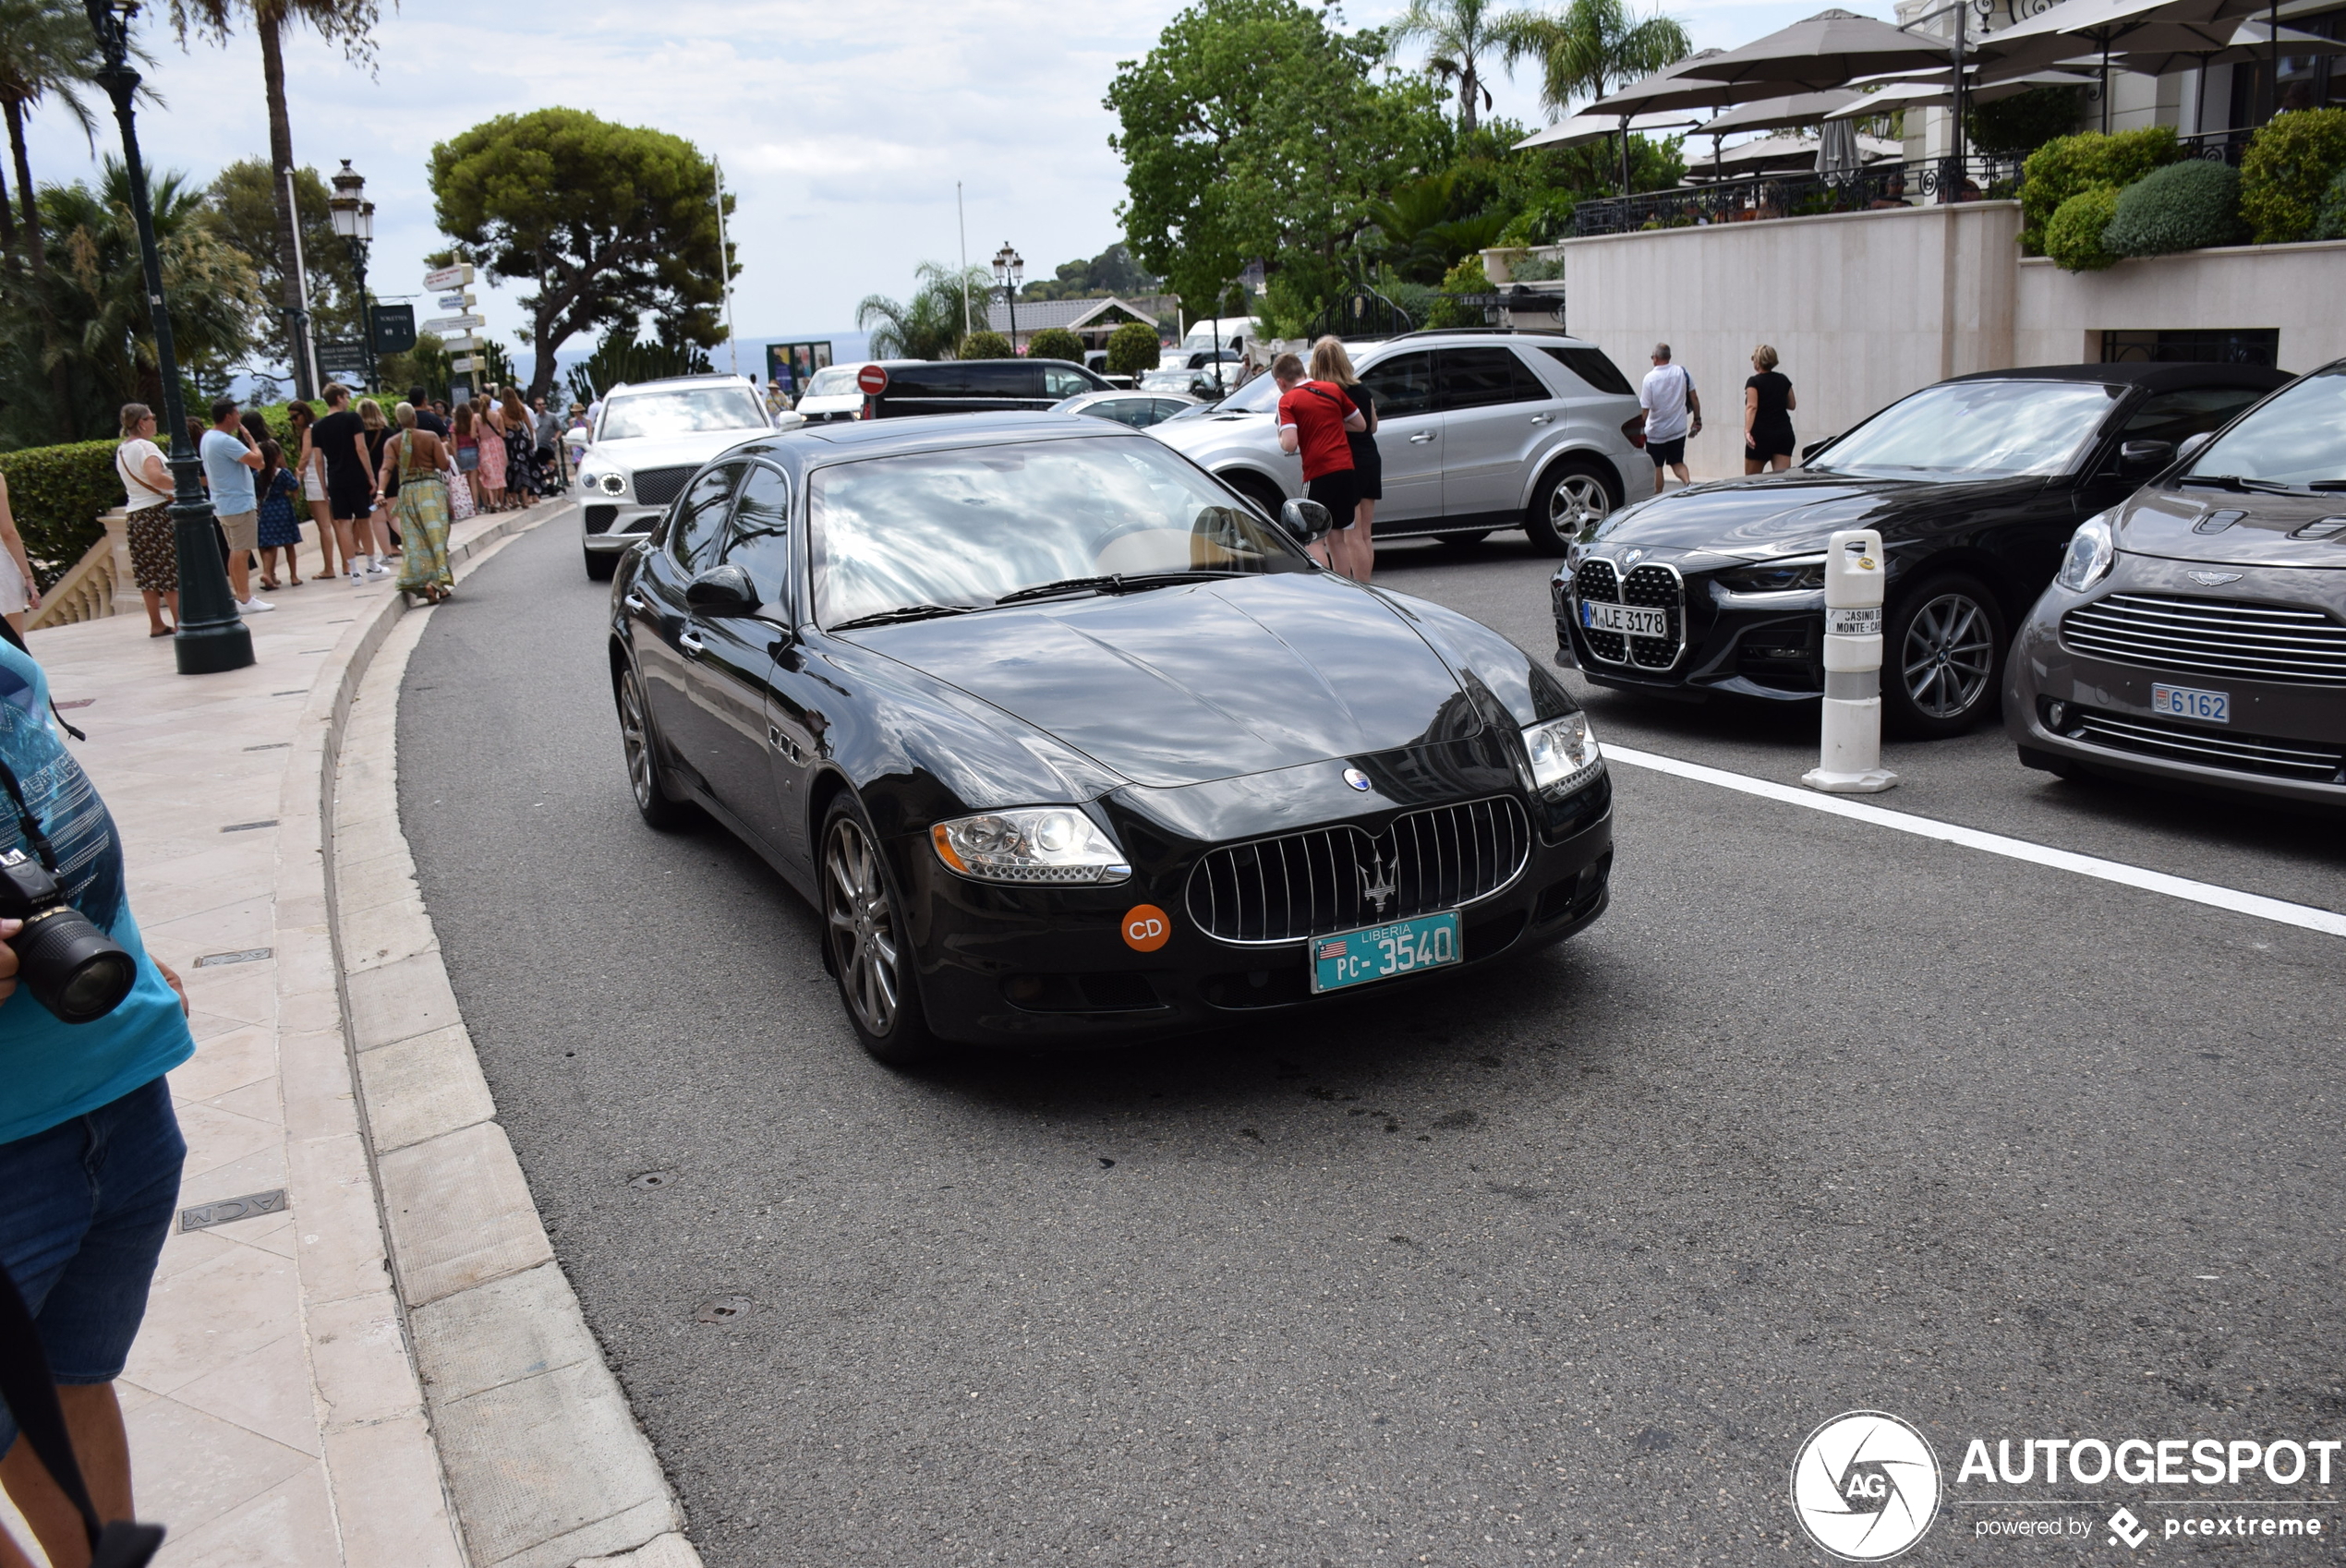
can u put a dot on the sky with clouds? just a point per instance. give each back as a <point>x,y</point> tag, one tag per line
<point>841,128</point>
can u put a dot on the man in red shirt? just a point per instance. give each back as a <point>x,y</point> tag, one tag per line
<point>1313,417</point>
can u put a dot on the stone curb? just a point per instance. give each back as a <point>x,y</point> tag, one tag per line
<point>451,1358</point>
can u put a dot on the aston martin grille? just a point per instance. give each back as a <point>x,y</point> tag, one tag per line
<point>1651,586</point>
<point>1337,878</point>
<point>2223,637</point>
<point>2322,763</point>
<point>658,486</point>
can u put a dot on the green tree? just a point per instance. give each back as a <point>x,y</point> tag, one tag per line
<point>612,222</point>
<point>1055,342</point>
<point>46,50</point>
<point>619,357</point>
<point>350,23</point>
<point>1132,348</point>
<point>1113,270</point>
<point>932,321</point>
<point>985,344</point>
<point>1255,131</point>
<point>245,199</point>
<point>1593,48</point>
<point>1459,35</point>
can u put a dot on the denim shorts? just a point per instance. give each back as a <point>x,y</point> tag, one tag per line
<point>89,1203</point>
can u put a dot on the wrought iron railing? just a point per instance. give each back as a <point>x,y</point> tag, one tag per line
<point>1362,311</point>
<point>2217,146</point>
<point>1760,197</point>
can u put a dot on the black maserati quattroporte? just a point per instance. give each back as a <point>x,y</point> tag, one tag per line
<point>1976,485</point>
<point>1064,738</point>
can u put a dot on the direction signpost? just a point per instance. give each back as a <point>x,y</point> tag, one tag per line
<point>453,287</point>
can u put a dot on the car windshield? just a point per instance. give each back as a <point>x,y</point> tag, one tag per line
<point>2298,439</point>
<point>1258,396</point>
<point>1975,431</point>
<point>681,413</point>
<point>965,527</point>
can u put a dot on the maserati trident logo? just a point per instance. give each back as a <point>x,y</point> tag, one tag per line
<point>2214,579</point>
<point>1376,882</point>
<point>1866,1486</point>
<point>1358,779</point>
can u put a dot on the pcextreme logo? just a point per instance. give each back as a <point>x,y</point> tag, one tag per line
<point>1865,1486</point>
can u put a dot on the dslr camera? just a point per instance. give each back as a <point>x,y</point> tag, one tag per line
<point>72,968</point>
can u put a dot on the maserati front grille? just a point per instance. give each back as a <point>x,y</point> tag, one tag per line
<point>1340,878</point>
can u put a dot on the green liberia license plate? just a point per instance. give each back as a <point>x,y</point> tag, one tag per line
<point>1380,952</point>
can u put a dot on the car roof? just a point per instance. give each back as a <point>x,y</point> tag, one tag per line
<point>714,378</point>
<point>872,438</point>
<point>2160,376</point>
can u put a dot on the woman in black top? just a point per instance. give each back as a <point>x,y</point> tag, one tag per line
<point>1351,550</point>
<point>1768,403</point>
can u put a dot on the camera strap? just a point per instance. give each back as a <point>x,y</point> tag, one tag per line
<point>9,632</point>
<point>30,824</point>
<point>31,1394</point>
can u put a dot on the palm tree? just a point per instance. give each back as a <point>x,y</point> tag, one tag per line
<point>928,326</point>
<point>1594,48</point>
<point>1457,34</point>
<point>350,23</point>
<point>46,49</point>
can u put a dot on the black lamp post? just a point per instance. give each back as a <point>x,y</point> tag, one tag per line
<point>1009,271</point>
<point>212,635</point>
<point>354,218</point>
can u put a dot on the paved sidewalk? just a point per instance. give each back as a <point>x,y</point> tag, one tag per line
<point>274,1405</point>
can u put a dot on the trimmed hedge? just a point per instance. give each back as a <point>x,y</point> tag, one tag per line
<point>2069,164</point>
<point>984,344</point>
<point>2331,223</point>
<point>1055,343</point>
<point>1132,349</point>
<point>2181,207</point>
<point>2074,237</point>
<point>56,494</point>
<point>2288,168</point>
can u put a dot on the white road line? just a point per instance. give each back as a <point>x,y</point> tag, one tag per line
<point>2304,916</point>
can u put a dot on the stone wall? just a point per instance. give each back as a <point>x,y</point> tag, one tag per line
<point>2059,317</point>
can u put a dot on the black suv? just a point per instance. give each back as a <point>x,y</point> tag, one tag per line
<point>982,386</point>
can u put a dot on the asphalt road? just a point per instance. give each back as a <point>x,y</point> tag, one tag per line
<point>1559,1262</point>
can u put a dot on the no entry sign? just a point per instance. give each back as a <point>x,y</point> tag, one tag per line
<point>871,380</point>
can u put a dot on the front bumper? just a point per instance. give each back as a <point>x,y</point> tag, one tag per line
<point>1768,647</point>
<point>2069,709</point>
<point>609,524</point>
<point>1045,966</point>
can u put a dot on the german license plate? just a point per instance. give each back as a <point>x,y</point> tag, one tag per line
<point>1628,619</point>
<point>1380,952</point>
<point>2190,702</point>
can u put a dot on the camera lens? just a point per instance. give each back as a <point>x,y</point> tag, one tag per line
<point>72,968</point>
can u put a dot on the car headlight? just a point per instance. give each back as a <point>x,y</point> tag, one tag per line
<point>1035,844</point>
<point>1564,751</point>
<point>2091,550</point>
<point>1795,574</point>
<point>613,484</point>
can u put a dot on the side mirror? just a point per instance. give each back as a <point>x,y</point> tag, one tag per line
<point>722,591</point>
<point>1305,521</point>
<point>1813,448</point>
<point>2194,445</point>
<point>2136,458</point>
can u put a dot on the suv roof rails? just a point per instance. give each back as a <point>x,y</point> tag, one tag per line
<point>1485,332</point>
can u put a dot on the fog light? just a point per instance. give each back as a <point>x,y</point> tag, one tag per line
<point>1024,987</point>
<point>2056,715</point>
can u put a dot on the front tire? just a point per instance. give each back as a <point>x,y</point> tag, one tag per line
<point>870,953</point>
<point>641,744</point>
<point>1942,656</point>
<point>1572,498</point>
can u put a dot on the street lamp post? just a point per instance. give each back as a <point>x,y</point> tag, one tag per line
<point>354,218</point>
<point>212,635</point>
<point>1009,271</point>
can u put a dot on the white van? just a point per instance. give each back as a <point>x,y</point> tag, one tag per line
<point>832,393</point>
<point>1228,332</point>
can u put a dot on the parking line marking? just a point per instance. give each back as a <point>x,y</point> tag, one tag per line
<point>2307,917</point>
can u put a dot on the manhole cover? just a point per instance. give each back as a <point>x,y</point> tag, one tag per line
<point>650,1179</point>
<point>724,1309</point>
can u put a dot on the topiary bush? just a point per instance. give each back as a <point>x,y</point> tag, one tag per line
<point>2069,164</point>
<point>2074,237</point>
<point>55,493</point>
<point>983,345</point>
<point>1132,349</point>
<point>2290,164</point>
<point>1055,343</point>
<point>2331,221</point>
<point>2181,207</point>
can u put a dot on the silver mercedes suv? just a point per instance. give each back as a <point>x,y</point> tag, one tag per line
<point>647,439</point>
<point>1480,428</point>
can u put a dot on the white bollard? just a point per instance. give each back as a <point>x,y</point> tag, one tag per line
<point>1851,760</point>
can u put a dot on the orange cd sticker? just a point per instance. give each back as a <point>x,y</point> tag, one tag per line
<point>1146,928</point>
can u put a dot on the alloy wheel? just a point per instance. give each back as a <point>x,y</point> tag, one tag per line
<point>633,736</point>
<point>1577,501</point>
<point>863,927</point>
<point>1949,656</point>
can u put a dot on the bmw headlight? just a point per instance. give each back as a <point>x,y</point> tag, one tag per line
<point>1035,844</point>
<point>1564,751</point>
<point>1794,573</point>
<point>2091,550</point>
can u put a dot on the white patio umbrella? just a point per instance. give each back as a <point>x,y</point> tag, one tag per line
<point>2255,40</point>
<point>1828,49</point>
<point>1776,114</point>
<point>1787,154</point>
<point>1581,129</point>
<point>2074,27</point>
<point>1934,94</point>
<point>1672,89</point>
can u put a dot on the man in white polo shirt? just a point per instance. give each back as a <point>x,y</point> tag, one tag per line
<point>1674,412</point>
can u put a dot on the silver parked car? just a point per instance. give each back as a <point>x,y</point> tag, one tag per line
<point>1480,428</point>
<point>1137,409</point>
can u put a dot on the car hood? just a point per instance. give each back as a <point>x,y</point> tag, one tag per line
<point>1759,518</point>
<point>636,454</point>
<point>1193,432</point>
<point>2166,524</point>
<point>1184,686</point>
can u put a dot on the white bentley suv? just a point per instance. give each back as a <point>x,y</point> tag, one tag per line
<point>647,439</point>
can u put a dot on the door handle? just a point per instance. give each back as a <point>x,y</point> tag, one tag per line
<point>1421,438</point>
<point>634,603</point>
<point>690,643</point>
<point>1542,418</point>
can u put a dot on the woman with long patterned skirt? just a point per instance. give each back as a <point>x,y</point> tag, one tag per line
<point>422,466</point>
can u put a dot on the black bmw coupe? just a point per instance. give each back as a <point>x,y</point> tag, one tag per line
<point>1065,738</point>
<point>1976,485</point>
